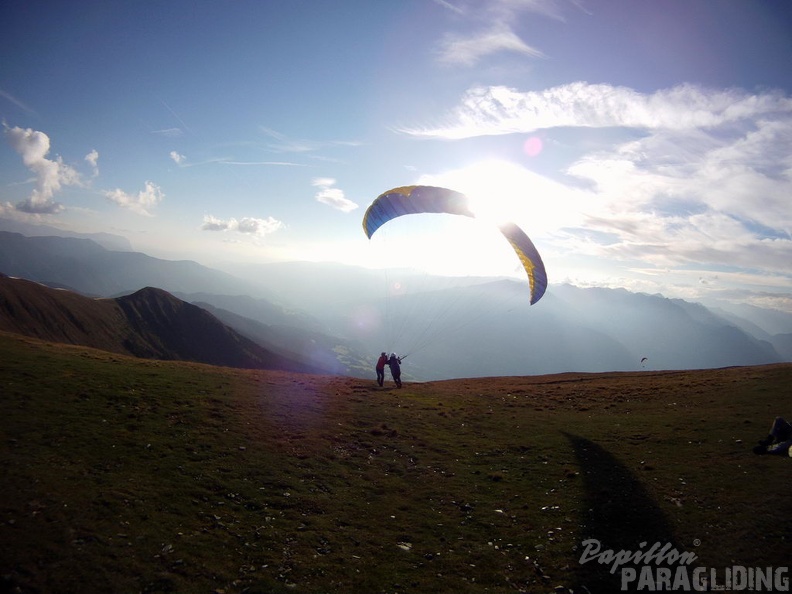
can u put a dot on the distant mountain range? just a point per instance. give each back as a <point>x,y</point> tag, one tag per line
<point>106,240</point>
<point>85,266</point>
<point>474,327</point>
<point>338,318</point>
<point>571,329</point>
<point>150,323</point>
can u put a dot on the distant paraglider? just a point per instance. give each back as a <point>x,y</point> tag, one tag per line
<point>643,361</point>
<point>430,199</point>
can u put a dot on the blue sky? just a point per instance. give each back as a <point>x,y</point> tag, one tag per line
<point>644,145</point>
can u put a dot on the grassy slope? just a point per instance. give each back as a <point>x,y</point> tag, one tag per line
<point>125,475</point>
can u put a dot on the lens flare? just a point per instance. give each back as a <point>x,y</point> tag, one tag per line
<point>533,146</point>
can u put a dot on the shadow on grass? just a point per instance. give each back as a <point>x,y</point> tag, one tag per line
<point>619,513</point>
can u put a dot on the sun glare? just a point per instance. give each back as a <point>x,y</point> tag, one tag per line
<point>499,192</point>
<point>494,188</point>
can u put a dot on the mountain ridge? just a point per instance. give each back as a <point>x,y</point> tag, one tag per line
<point>150,323</point>
<point>449,327</point>
<point>88,268</point>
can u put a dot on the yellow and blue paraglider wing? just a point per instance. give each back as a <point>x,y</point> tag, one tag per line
<point>430,199</point>
<point>412,200</point>
<point>529,257</point>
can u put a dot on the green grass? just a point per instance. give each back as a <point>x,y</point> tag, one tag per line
<point>124,475</point>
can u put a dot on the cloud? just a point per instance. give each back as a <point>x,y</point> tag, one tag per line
<point>498,110</point>
<point>212,223</point>
<point>450,6</point>
<point>93,160</point>
<point>224,161</point>
<point>245,225</point>
<point>173,132</point>
<point>182,161</point>
<point>258,226</point>
<point>693,198</point>
<point>7,209</point>
<point>672,207</point>
<point>17,102</point>
<point>323,182</point>
<point>177,157</point>
<point>140,203</point>
<point>333,197</point>
<point>169,132</point>
<point>684,179</point>
<point>468,50</point>
<point>284,144</point>
<point>50,175</point>
<point>489,30</point>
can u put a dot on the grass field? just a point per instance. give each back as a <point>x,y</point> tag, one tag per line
<point>127,475</point>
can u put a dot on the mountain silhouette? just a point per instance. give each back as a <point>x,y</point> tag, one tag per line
<point>150,323</point>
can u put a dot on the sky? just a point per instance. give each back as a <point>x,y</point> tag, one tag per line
<point>641,145</point>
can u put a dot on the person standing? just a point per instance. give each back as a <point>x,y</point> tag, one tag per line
<point>381,368</point>
<point>394,363</point>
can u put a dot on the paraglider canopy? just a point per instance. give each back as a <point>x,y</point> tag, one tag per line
<point>431,199</point>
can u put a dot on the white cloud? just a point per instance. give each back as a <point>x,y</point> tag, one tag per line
<point>686,178</point>
<point>468,50</point>
<point>331,196</point>
<point>50,175</point>
<point>17,102</point>
<point>93,160</point>
<point>7,209</point>
<point>486,28</point>
<point>169,132</point>
<point>284,144</point>
<point>450,6</point>
<point>501,110</point>
<point>177,158</point>
<point>140,203</point>
<point>212,223</point>
<point>740,169</point>
<point>256,226</point>
<point>256,163</point>
<point>245,225</point>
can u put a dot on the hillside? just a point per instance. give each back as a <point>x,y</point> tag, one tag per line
<point>323,351</point>
<point>150,323</point>
<point>131,475</point>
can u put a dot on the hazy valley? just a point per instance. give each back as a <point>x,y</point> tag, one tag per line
<point>337,318</point>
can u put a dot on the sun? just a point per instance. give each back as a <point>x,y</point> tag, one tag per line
<point>501,191</point>
<point>498,191</point>
<point>495,189</point>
